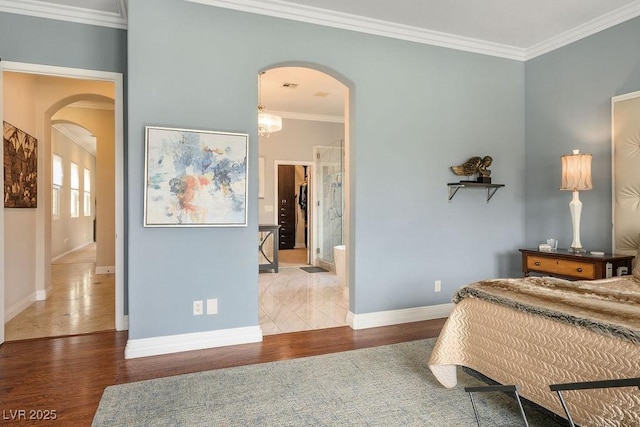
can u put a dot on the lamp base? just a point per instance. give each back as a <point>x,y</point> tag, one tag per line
<point>576,250</point>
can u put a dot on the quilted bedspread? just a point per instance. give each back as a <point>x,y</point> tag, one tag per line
<point>540,331</point>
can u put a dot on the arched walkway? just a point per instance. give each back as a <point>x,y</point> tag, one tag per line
<point>293,299</point>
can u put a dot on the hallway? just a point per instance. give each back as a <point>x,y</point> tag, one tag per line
<point>80,301</point>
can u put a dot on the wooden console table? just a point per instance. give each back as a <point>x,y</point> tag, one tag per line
<point>565,264</point>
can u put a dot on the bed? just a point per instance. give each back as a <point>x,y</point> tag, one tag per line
<point>538,331</point>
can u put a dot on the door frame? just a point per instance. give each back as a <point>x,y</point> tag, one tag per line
<point>311,255</point>
<point>121,322</point>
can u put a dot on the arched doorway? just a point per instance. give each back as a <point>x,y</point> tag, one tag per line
<point>313,105</point>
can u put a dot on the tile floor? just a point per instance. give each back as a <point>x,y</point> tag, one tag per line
<point>294,300</point>
<point>81,301</point>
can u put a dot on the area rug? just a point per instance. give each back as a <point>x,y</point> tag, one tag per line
<point>314,269</point>
<point>381,386</point>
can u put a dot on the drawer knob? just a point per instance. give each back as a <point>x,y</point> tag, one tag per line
<point>579,269</point>
<point>537,263</point>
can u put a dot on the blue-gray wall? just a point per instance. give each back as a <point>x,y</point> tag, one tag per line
<point>416,110</point>
<point>568,105</point>
<point>64,44</point>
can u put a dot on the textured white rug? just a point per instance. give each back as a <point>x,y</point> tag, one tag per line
<point>381,386</point>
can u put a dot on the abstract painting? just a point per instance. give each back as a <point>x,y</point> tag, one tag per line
<point>20,168</point>
<point>195,178</point>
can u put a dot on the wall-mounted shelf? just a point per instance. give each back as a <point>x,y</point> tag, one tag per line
<point>491,188</point>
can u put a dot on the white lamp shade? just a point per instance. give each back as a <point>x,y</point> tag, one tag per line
<point>576,172</point>
<point>268,123</point>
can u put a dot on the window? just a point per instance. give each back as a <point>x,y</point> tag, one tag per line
<point>56,182</point>
<point>87,192</point>
<point>74,183</point>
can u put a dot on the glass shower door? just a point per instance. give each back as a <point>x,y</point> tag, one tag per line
<point>329,196</point>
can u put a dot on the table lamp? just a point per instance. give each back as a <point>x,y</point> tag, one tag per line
<point>576,176</point>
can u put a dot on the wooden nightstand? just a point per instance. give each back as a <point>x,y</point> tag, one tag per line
<point>564,264</point>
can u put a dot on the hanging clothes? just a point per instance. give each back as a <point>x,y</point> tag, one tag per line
<point>302,197</point>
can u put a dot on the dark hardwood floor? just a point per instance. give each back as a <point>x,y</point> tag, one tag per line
<point>66,376</point>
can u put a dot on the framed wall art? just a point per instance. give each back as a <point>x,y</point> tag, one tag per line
<point>195,178</point>
<point>20,168</point>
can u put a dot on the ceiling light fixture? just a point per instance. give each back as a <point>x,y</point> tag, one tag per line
<point>267,123</point>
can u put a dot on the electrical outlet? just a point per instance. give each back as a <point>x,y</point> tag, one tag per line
<point>438,286</point>
<point>197,308</point>
<point>212,306</point>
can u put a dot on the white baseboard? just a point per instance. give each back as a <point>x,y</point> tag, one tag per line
<point>326,265</point>
<point>69,251</point>
<point>15,309</point>
<point>125,323</point>
<point>42,295</point>
<point>195,341</point>
<point>106,269</point>
<point>394,317</point>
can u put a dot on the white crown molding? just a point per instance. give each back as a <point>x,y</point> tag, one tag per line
<point>194,341</point>
<point>90,148</point>
<point>313,15</point>
<point>67,13</point>
<point>282,9</point>
<point>305,116</point>
<point>345,21</point>
<point>625,97</point>
<point>74,138</point>
<point>395,317</point>
<point>587,29</point>
<point>93,105</point>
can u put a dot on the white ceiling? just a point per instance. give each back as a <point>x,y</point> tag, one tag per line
<point>512,29</point>
<point>85,139</point>
<point>317,96</point>
<point>517,23</point>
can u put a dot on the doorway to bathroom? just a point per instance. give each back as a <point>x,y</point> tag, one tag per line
<point>302,185</point>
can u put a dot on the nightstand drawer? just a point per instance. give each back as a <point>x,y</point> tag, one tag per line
<point>563,263</point>
<point>562,267</point>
